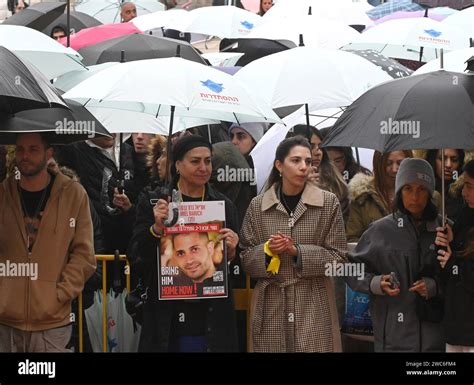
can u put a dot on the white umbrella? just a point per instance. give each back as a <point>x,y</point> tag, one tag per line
<point>319,77</point>
<point>343,11</point>
<point>454,61</point>
<point>463,20</point>
<point>263,154</point>
<point>50,57</point>
<point>317,32</point>
<point>177,19</point>
<point>108,11</point>
<point>124,121</point>
<point>403,38</point>
<point>71,79</point>
<point>223,21</point>
<point>172,86</point>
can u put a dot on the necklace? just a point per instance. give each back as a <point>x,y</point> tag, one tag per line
<point>30,227</point>
<point>291,220</point>
<point>203,191</point>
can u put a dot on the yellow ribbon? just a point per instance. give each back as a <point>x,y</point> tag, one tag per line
<point>274,265</point>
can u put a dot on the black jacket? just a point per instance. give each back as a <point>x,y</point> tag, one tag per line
<point>99,175</point>
<point>459,290</point>
<point>158,317</point>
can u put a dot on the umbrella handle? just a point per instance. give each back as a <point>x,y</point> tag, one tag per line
<point>175,198</point>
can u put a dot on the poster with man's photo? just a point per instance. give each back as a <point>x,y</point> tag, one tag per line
<point>192,259</point>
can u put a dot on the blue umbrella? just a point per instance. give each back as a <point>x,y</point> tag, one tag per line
<point>390,7</point>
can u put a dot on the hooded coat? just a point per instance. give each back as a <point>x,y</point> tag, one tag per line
<point>63,251</point>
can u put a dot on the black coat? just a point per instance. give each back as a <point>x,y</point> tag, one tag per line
<point>459,284</point>
<point>99,175</point>
<point>158,316</point>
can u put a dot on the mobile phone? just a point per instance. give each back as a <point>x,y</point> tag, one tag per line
<point>394,282</point>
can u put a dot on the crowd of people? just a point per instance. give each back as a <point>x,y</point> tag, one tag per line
<point>417,273</point>
<point>62,205</point>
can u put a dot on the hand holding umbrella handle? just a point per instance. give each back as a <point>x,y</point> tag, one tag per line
<point>175,198</point>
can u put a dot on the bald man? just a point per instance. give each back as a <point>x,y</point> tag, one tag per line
<point>128,12</point>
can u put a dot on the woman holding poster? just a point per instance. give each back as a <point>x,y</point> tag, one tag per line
<point>185,325</point>
<point>290,234</point>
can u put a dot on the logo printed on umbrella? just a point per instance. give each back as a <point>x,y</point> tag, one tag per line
<point>213,86</point>
<point>433,33</point>
<point>247,24</point>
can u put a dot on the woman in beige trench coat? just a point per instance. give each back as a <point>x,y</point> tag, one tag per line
<point>290,235</point>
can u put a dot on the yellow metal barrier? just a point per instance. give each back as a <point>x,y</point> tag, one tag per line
<point>242,299</point>
<point>104,259</point>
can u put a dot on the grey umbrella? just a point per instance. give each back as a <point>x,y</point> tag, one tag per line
<point>138,47</point>
<point>62,125</point>
<point>37,16</point>
<point>78,21</point>
<point>454,4</point>
<point>428,111</point>
<point>23,86</point>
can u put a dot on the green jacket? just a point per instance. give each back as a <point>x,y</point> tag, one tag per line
<point>366,206</point>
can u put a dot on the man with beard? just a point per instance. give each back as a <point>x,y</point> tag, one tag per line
<point>46,251</point>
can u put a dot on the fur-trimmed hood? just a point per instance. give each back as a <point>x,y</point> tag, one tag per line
<point>360,185</point>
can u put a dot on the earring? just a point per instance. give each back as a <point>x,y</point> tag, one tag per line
<point>280,174</point>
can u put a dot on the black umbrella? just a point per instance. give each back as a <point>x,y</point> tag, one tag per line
<point>254,49</point>
<point>454,4</point>
<point>79,20</point>
<point>37,16</point>
<point>428,111</point>
<point>64,125</point>
<point>138,47</point>
<point>23,86</point>
<point>390,66</point>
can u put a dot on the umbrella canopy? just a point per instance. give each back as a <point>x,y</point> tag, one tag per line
<point>108,11</point>
<point>454,61</point>
<point>393,6</point>
<point>37,16</point>
<point>50,57</point>
<point>433,110</point>
<point>126,122</point>
<point>405,15</point>
<point>223,21</point>
<point>390,66</point>
<point>95,35</point>
<point>177,19</point>
<point>23,87</point>
<point>316,32</point>
<point>342,11</point>
<point>464,20</point>
<point>73,78</point>
<point>320,77</point>
<point>194,90</point>
<point>454,4</point>
<point>403,38</point>
<point>267,145</point>
<point>254,49</point>
<point>64,125</point>
<point>78,22</point>
<point>138,47</point>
